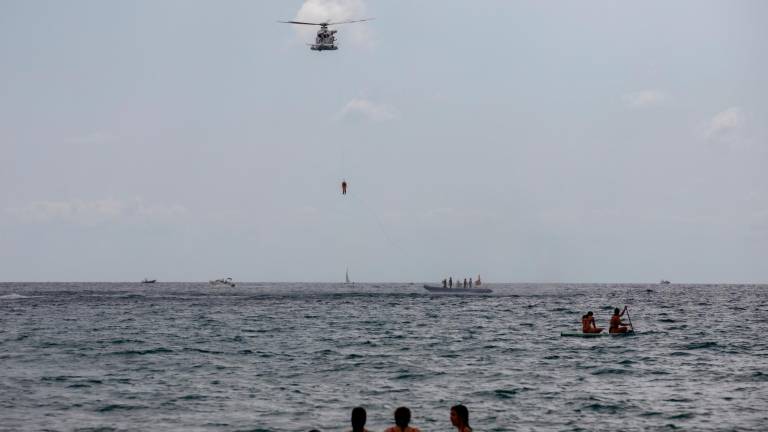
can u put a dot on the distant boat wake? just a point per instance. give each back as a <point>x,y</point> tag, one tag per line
<point>13,296</point>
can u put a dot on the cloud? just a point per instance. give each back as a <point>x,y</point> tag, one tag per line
<point>96,211</point>
<point>335,10</point>
<point>725,123</point>
<point>369,110</point>
<point>644,98</point>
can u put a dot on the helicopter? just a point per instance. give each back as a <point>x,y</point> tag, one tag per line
<point>325,40</point>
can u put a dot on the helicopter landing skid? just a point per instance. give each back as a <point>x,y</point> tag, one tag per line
<point>323,47</point>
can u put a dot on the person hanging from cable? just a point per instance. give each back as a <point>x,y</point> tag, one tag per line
<point>343,187</point>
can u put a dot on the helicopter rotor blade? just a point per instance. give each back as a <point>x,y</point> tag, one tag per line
<point>300,22</point>
<point>349,22</point>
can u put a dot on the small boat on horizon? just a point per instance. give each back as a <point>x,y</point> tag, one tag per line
<point>146,281</point>
<point>664,282</point>
<point>445,290</point>
<point>346,278</point>
<point>224,281</point>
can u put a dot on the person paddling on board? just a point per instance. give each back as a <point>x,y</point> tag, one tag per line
<point>343,187</point>
<point>588,324</point>
<point>616,325</point>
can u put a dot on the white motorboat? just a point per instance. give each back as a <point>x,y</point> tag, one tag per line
<point>222,282</point>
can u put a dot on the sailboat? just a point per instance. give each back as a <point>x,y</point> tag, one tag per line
<point>346,277</point>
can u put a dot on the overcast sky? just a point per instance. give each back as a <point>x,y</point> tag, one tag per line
<point>528,141</point>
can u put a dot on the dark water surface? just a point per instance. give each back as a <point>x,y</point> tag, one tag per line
<point>292,357</point>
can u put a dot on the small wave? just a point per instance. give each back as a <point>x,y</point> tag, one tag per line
<point>49,344</point>
<point>682,416</point>
<point>115,407</point>
<point>193,397</point>
<point>13,296</point>
<point>124,341</point>
<point>409,376</point>
<point>609,371</point>
<point>602,408</point>
<point>143,352</point>
<point>202,351</point>
<point>58,378</point>
<point>508,393</point>
<point>84,383</point>
<point>96,429</point>
<point>701,345</point>
<point>130,296</point>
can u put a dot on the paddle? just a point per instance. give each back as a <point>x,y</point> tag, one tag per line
<point>626,309</point>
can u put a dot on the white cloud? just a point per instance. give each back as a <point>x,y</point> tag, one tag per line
<point>97,211</point>
<point>725,123</point>
<point>369,110</point>
<point>644,98</point>
<point>335,10</point>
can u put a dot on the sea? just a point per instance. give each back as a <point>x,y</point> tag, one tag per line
<point>300,356</point>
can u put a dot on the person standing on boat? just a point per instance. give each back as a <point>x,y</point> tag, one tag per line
<point>465,282</point>
<point>450,282</point>
<point>588,324</point>
<point>616,325</point>
<point>470,283</point>
<point>445,283</point>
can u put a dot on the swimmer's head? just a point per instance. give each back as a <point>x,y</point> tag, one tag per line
<point>459,415</point>
<point>358,418</point>
<point>402,417</point>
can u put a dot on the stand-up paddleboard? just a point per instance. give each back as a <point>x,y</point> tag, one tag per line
<point>444,290</point>
<point>593,335</point>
